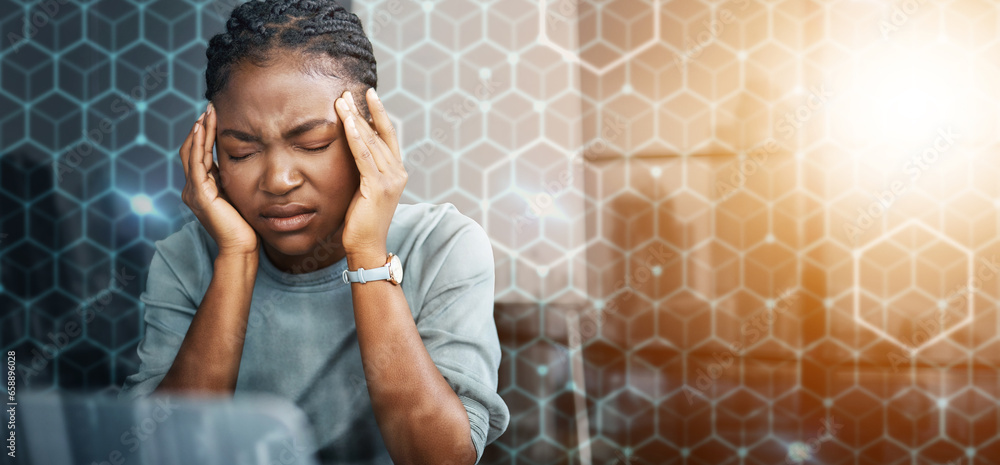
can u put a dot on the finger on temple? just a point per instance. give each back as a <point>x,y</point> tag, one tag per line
<point>210,124</point>
<point>197,171</point>
<point>371,139</point>
<point>185,150</point>
<point>364,157</point>
<point>382,123</point>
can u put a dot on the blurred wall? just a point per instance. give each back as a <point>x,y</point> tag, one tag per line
<point>791,238</point>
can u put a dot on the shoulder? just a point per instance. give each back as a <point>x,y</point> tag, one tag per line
<point>429,215</point>
<point>435,226</point>
<point>440,247</point>
<point>186,256</point>
<point>191,239</point>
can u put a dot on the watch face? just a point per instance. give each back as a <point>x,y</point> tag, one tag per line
<point>396,269</point>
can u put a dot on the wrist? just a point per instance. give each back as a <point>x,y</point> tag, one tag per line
<point>239,251</point>
<point>242,261</point>
<point>367,259</point>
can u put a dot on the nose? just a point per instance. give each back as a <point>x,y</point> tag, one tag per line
<point>281,174</point>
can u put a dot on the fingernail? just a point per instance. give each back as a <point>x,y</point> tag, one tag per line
<point>210,108</point>
<point>374,94</point>
<point>342,104</point>
<point>201,117</point>
<point>197,127</point>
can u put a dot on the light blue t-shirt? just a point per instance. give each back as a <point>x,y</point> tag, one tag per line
<point>301,342</point>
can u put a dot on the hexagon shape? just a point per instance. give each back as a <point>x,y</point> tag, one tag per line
<point>942,275</point>
<point>430,72</point>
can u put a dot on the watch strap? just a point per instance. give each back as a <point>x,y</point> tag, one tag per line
<point>362,275</point>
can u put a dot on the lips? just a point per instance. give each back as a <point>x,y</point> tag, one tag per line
<point>285,211</point>
<point>287,217</point>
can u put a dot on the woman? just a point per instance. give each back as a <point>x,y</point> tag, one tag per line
<point>253,297</point>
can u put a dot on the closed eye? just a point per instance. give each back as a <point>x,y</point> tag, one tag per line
<point>307,149</point>
<point>317,149</point>
<point>244,157</point>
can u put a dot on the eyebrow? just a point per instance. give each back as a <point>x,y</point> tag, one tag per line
<point>297,130</point>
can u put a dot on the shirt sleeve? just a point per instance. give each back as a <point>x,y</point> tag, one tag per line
<point>167,312</point>
<point>457,327</point>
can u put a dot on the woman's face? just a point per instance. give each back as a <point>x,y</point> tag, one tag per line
<point>284,160</point>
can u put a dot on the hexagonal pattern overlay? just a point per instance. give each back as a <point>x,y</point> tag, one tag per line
<point>735,231</point>
<point>913,282</point>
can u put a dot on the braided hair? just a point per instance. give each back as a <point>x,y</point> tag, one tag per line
<point>258,28</point>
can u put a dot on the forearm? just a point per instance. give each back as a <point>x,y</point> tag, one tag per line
<point>420,417</point>
<point>209,357</point>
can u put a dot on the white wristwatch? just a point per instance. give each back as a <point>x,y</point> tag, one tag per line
<point>392,272</point>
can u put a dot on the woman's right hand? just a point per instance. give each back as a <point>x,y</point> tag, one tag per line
<point>204,193</point>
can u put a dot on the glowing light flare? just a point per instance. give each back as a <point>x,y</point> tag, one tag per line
<point>543,204</point>
<point>798,452</point>
<point>899,96</point>
<point>142,205</point>
<point>909,95</point>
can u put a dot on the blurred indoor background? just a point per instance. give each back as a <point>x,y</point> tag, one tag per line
<point>725,232</point>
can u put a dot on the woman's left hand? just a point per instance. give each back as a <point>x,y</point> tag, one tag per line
<point>383,177</point>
